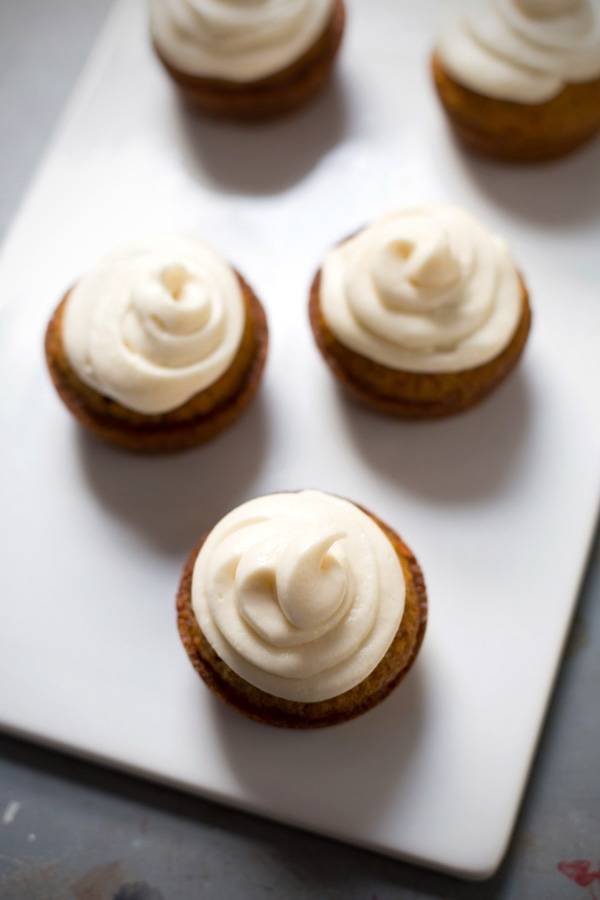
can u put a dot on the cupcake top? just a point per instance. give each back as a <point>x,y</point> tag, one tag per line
<point>155,323</point>
<point>236,40</point>
<point>526,51</point>
<point>422,290</point>
<point>301,594</point>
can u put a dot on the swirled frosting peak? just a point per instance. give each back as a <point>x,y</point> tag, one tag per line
<point>155,323</point>
<point>526,51</point>
<point>236,40</point>
<point>300,594</point>
<point>422,290</point>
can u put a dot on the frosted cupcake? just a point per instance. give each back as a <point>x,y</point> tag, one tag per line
<point>247,60</point>
<point>422,313</point>
<point>159,347</point>
<point>520,79</point>
<point>301,609</point>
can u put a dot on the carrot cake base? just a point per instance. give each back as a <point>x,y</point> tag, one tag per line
<point>271,710</point>
<point>413,395</point>
<point>201,418</point>
<point>268,97</point>
<point>518,132</point>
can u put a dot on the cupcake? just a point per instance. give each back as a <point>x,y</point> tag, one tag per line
<point>420,314</point>
<point>520,79</point>
<point>158,348</point>
<point>247,60</point>
<point>301,609</point>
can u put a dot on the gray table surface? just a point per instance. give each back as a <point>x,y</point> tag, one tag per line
<point>72,830</point>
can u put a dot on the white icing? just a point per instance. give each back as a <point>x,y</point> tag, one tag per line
<point>155,323</point>
<point>522,50</point>
<point>237,40</point>
<point>422,290</point>
<point>300,594</point>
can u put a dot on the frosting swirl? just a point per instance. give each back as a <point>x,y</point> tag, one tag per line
<point>300,594</point>
<point>523,50</point>
<point>155,323</point>
<point>236,40</point>
<point>422,290</point>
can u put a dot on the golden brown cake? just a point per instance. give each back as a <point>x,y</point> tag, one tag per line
<point>248,65</point>
<point>421,314</point>
<point>298,610</point>
<point>520,79</point>
<point>160,348</point>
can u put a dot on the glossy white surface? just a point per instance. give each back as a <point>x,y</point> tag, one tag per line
<point>499,504</point>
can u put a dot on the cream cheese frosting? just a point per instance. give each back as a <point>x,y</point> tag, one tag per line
<point>155,323</point>
<point>526,51</point>
<point>236,40</point>
<point>301,594</point>
<point>422,290</point>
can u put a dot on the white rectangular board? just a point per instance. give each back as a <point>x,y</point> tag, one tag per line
<point>499,504</point>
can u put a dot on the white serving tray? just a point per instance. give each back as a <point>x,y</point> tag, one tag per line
<point>499,504</point>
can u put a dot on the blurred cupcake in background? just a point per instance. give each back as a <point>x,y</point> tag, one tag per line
<point>520,79</point>
<point>247,59</point>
